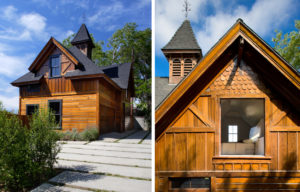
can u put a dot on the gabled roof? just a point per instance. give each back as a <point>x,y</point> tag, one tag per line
<point>184,38</point>
<point>52,43</point>
<point>82,36</point>
<point>275,70</point>
<point>119,74</point>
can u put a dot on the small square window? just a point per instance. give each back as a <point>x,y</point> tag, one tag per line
<point>31,108</point>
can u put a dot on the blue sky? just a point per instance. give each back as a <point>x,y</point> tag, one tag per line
<point>26,26</point>
<point>211,19</point>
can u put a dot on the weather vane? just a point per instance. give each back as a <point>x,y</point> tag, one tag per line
<point>83,17</point>
<point>186,8</point>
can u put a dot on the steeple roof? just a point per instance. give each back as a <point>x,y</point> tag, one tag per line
<point>82,35</point>
<point>184,38</point>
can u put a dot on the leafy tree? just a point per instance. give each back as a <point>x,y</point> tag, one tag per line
<point>98,55</point>
<point>288,46</point>
<point>130,45</point>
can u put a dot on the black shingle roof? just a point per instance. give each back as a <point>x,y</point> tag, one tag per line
<point>88,67</point>
<point>162,89</point>
<point>184,38</point>
<point>118,73</point>
<point>82,35</point>
<point>28,77</point>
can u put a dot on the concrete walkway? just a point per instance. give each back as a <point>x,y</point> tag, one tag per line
<point>116,162</point>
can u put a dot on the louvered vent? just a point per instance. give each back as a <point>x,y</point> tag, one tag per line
<point>188,66</point>
<point>176,67</point>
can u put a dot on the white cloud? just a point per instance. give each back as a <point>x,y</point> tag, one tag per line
<point>33,22</point>
<point>82,3</point>
<point>22,26</point>
<point>9,12</point>
<point>11,103</point>
<point>69,32</point>
<point>263,17</point>
<point>14,65</point>
<point>106,13</point>
<point>16,35</point>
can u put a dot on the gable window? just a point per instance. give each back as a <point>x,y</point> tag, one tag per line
<point>55,66</point>
<point>56,109</point>
<point>232,133</point>
<point>31,108</point>
<point>242,126</point>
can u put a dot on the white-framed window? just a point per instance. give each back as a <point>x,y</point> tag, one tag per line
<point>232,133</point>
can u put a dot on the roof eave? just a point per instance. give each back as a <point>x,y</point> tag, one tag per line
<point>25,83</point>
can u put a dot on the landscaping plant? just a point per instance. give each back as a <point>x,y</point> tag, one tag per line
<point>27,155</point>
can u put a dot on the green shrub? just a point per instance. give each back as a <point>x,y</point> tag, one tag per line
<point>89,134</point>
<point>26,155</point>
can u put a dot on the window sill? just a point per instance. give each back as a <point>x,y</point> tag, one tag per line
<point>242,157</point>
<point>54,77</point>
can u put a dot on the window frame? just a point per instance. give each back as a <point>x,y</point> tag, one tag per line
<point>60,110</point>
<point>218,137</point>
<point>50,65</point>
<point>31,105</point>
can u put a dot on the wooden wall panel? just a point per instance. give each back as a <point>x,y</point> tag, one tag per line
<point>61,86</point>
<point>191,142</point>
<point>78,111</point>
<point>110,108</point>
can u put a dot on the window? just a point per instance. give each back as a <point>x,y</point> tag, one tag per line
<point>55,107</point>
<point>33,88</point>
<point>184,183</point>
<point>55,66</point>
<point>242,126</point>
<point>232,133</point>
<point>31,108</point>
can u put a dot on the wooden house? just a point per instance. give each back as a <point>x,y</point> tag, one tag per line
<point>233,122</point>
<point>80,93</point>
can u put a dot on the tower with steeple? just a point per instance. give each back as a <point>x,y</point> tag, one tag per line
<point>182,52</point>
<point>83,41</point>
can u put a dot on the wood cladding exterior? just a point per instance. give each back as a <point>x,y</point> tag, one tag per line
<point>191,145</point>
<point>87,102</point>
